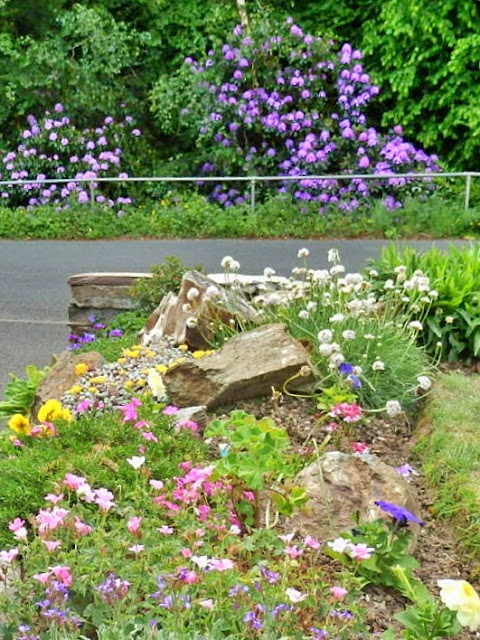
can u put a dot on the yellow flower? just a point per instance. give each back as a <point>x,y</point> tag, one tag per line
<point>161,368</point>
<point>198,354</point>
<point>81,368</point>
<point>155,382</point>
<point>183,347</point>
<point>128,384</point>
<point>97,379</point>
<point>460,596</point>
<point>92,389</point>
<point>52,410</point>
<point>75,389</point>
<point>121,360</point>
<point>20,424</point>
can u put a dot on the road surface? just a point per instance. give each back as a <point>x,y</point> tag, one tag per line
<point>34,294</point>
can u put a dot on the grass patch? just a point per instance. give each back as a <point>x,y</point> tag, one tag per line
<point>449,445</point>
<point>187,214</point>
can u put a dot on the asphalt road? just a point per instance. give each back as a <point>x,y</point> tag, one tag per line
<point>33,279</point>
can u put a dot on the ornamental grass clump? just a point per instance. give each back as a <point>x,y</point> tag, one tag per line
<point>52,147</point>
<point>273,100</point>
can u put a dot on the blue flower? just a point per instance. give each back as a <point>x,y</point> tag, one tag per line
<point>398,513</point>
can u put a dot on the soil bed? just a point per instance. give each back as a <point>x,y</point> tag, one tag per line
<point>392,439</point>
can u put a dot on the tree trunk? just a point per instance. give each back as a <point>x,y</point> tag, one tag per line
<point>242,12</point>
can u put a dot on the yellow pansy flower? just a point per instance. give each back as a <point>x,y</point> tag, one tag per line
<point>20,424</point>
<point>52,410</point>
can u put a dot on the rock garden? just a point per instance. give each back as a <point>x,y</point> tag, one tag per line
<point>268,457</point>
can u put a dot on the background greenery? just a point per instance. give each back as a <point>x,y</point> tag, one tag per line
<point>95,55</point>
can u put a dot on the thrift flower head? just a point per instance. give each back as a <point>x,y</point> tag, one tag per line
<point>398,513</point>
<point>338,592</point>
<point>393,408</point>
<point>460,596</point>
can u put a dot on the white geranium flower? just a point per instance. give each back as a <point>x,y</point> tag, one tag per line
<point>393,408</point>
<point>136,461</point>
<point>339,545</point>
<point>460,596</point>
<point>295,596</point>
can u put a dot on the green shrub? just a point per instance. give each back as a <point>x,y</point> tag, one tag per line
<point>148,292</point>
<point>20,393</point>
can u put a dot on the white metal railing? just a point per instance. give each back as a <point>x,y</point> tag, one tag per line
<point>468,175</point>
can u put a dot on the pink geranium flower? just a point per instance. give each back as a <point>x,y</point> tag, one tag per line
<point>360,551</point>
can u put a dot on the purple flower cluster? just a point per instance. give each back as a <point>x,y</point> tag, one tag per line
<point>53,148</point>
<point>290,104</point>
<point>77,341</point>
<point>113,589</point>
<point>54,607</point>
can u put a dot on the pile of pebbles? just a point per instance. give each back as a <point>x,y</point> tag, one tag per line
<point>114,384</point>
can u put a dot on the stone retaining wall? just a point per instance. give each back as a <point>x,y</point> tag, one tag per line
<point>104,295</point>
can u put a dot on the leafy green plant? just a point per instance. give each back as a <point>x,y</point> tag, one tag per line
<point>452,322</point>
<point>20,392</point>
<point>253,459</point>
<point>148,292</point>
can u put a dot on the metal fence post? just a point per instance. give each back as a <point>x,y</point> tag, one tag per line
<point>468,185</point>
<point>252,196</point>
<point>92,195</point>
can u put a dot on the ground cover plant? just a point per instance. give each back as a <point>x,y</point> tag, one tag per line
<point>138,527</point>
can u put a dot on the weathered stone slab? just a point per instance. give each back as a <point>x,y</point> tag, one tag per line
<point>248,365</point>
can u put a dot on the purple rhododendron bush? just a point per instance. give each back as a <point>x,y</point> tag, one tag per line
<point>52,148</point>
<point>277,101</point>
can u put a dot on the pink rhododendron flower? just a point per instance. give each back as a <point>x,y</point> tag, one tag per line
<point>338,592</point>
<point>166,530</point>
<point>81,527</point>
<point>50,519</point>
<point>52,544</point>
<point>130,410</point>
<point>170,410</point>
<point>104,499</point>
<point>83,405</point>
<point>134,524</point>
<point>73,482</point>
<point>148,435</point>
<point>221,565</point>
<point>7,557</point>
<point>360,447</point>
<point>54,498</point>
<point>313,543</point>
<point>293,551</point>
<point>63,574</point>
<point>360,551</point>
<point>16,524</point>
